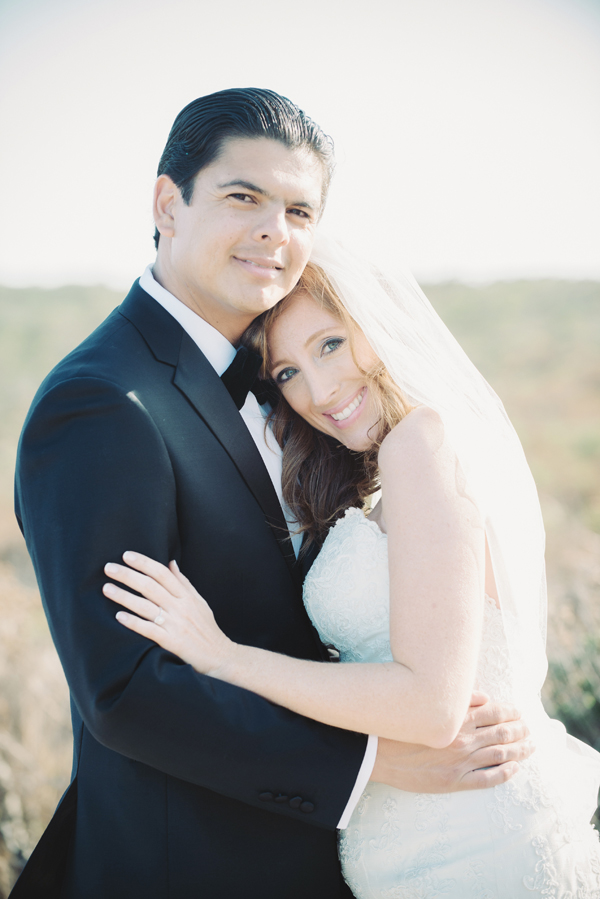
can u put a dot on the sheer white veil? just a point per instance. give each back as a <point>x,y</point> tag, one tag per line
<point>428,364</point>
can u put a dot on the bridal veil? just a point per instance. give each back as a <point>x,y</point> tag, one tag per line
<point>427,363</point>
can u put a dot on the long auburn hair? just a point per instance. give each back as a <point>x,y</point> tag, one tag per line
<point>321,477</point>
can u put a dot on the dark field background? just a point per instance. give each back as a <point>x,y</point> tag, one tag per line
<point>536,342</point>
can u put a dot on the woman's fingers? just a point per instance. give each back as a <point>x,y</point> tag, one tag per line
<point>174,567</point>
<point>169,611</point>
<point>152,579</point>
<point>146,629</point>
<point>153,569</point>
<point>142,583</point>
<point>142,607</point>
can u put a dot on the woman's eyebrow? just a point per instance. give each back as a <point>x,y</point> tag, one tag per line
<point>306,343</point>
<point>315,335</point>
<point>275,365</point>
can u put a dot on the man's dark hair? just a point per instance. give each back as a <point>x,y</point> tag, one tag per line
<point>202,127</point>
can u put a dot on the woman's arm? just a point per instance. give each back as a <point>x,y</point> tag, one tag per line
<point>436,550</point>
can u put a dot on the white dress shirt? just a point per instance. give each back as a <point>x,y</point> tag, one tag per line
<point>220,353</point>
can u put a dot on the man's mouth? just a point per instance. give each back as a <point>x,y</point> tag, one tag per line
<point>264,265</point>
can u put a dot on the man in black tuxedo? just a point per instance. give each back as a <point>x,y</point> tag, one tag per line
<point>185,786</point>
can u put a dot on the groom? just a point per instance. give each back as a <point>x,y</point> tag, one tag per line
<point>184,786</point>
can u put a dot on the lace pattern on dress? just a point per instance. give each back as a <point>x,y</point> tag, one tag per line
<point>448,846</point>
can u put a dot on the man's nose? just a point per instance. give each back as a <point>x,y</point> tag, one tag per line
<point>273,227</point>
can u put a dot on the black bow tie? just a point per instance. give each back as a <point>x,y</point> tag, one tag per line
<point>242,375</point>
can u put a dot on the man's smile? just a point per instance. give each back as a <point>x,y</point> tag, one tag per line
<point>261,263</point>
<point>258,266</point>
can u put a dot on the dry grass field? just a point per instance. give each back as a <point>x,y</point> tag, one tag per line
<point>538,345</point>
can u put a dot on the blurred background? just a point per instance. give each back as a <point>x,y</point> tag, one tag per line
<point>467,136</point>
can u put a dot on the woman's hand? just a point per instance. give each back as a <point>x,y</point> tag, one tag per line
<point>169,611</point>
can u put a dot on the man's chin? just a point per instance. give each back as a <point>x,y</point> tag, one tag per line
<point>257,305</point>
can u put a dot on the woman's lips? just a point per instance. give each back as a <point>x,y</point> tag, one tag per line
<point>348,415</point>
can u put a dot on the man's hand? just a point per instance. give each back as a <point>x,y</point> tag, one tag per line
<point>486,752</point>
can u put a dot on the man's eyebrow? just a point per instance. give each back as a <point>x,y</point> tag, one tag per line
<point>247,185</point>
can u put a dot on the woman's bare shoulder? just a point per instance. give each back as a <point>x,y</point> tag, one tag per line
<point>421,432</point>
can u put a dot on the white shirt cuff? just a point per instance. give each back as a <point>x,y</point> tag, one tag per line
<point>365,771</point>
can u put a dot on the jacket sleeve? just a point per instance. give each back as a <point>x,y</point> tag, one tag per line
<point>93,479</point>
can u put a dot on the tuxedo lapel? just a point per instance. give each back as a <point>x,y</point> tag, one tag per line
<point>308,556</point>
<point>197,380</point>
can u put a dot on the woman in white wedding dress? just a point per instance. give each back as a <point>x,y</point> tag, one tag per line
<point>439,591</point>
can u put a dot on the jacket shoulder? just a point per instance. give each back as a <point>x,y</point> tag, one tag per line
<point>135,334</point>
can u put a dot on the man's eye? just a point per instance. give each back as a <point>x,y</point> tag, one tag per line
<point>301,213</point>
<point>285,375</point>
<point>245,198</point>
<point>331,345</point>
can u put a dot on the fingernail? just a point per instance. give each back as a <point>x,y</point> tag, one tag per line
<point>174,564</point>
<point>129,556</point>
<point>121,616</point>
<point>111,568</point>
<point>110,588</point>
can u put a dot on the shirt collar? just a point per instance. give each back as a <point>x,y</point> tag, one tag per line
<point>216,348</point>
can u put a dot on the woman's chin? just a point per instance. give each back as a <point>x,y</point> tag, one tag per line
<point>358,442</point>
<point>360,446</point>
<point>361,439</point>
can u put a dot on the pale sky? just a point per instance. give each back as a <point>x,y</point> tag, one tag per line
<point>467,132</point>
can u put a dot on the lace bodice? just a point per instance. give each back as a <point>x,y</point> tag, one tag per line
<point>523,838</point>
<point>347,594</point>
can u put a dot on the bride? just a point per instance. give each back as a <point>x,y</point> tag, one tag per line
<point>438,591</point>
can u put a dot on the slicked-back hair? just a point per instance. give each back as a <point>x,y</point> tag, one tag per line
<point>202,127</point>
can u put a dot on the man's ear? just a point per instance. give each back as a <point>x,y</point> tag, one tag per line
<point>166,194</point>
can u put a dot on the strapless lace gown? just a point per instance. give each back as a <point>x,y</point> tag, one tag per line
<point>529,837</point>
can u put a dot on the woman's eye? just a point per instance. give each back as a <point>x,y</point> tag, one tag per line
<point>332,344</point>
<point>285,374</point>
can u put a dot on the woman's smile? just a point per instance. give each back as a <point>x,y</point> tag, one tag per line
<point>345,415</point>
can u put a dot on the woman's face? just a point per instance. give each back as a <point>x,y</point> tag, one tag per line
<point>313,365</point>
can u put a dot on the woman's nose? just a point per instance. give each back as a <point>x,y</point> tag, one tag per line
<point>323,389</point>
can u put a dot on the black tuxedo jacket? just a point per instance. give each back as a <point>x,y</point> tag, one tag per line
<point>182,786</point>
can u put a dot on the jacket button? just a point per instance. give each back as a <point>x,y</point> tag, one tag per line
<point>307,807</point>
<point>265,797</point>
<point>296,802</point>
<point>281,798</point>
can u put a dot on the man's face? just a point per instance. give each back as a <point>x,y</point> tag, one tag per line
<point>242,243</point>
